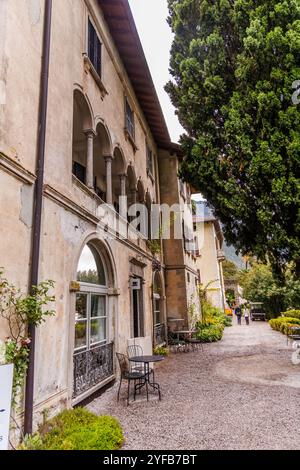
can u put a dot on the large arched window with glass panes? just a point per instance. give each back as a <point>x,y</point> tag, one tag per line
<point>91,301</point>
<point>93,361</point>
<point>158,310</point>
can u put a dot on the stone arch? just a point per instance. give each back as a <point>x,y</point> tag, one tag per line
<point>119,161</point>
<point>102,149</point>
<point>118,177</point>
<point>140,191</point>
<point>82,122</point>
<point>131,177</point>
<point>106,255</point>
<point>103,136</point>
<point>83,109</point>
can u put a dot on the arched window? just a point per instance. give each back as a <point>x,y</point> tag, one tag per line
<point>159,321</point>
<point>91,301</point>
<point>90,267</point>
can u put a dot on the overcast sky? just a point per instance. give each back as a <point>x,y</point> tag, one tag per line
<point>156,37</point>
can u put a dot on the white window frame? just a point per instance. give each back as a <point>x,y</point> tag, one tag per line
<point>101,292</point>
<point>155,298</point>
<point>94,289</point>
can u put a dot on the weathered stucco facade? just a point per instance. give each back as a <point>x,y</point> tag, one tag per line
<point>211,255</point>
<point>92,156</point>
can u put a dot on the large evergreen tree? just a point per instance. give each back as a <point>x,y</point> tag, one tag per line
<point>234,63</point>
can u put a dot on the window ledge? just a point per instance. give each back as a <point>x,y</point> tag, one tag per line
<point>129,137</point>
<point>88,66</point>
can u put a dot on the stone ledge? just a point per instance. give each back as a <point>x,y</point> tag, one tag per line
<point>16,169</point>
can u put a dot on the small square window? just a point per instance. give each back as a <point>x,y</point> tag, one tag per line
<point>94,48</point>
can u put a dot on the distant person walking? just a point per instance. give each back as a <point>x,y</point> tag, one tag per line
<point>247,315</point>
<point>238,313</point>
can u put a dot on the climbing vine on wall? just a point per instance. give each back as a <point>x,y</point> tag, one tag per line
<point>19,311</point>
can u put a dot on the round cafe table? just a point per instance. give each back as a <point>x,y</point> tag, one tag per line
<point>146,360</point>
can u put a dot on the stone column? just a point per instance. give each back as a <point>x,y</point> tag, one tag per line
<point>108,162</point>
<point>90,135</point>
<point>133,195</point>
<point>123,185</point>
<point>123,197</point>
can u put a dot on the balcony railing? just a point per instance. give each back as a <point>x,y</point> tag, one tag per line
<point>160,334</point>
<point>92,367</point>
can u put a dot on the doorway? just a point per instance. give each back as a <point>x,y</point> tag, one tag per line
<point>137,307</point>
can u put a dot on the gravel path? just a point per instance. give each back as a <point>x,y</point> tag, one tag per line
<point>241,393</point>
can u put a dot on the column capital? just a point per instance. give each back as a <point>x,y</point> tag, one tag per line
<point>90,133</point>
<point>108,157</point>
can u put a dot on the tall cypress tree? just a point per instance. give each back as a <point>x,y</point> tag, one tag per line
<point>235,64</point>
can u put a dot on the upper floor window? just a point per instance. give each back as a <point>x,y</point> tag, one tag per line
<point>129,124</point>
<point>94,48</point>
<point>149,160</point>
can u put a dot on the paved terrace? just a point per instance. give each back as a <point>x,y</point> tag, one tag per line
<point>241,393</point>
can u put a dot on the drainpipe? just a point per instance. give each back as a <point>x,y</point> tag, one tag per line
<point>38,204</point>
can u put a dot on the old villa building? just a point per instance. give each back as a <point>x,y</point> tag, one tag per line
<point>106,137</point>
<point>210,237</point>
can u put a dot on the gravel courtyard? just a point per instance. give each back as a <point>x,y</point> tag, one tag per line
<point>241,393</point>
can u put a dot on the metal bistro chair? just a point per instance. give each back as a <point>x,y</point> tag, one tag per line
<point>128,374</point>
<point>175,344</point>
<point>135,350</point>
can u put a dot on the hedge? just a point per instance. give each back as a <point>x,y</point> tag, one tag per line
<point>292,314</point>
<point>283,324</point>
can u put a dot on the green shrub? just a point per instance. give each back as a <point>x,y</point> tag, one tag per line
<point>209,333</point>
<point>283,324</point>
<point>292,314</point>
<point>211,328</point>
<point>161,351</point>
<point>77,429</point>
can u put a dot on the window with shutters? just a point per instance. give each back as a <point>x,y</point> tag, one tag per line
<point>94,48</point>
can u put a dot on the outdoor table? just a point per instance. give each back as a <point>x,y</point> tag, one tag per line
<point>146,360</point>
<point>185,332</point>
<point>176,322</point>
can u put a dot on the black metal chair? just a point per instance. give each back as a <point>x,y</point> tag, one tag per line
<point>135,350</point>
<point>175,344</point>
<point>128,374</point>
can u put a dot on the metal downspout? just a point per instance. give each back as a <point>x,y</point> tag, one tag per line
<point>38,205</point>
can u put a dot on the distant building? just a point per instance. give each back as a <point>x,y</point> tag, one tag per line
<point>210,254</point>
